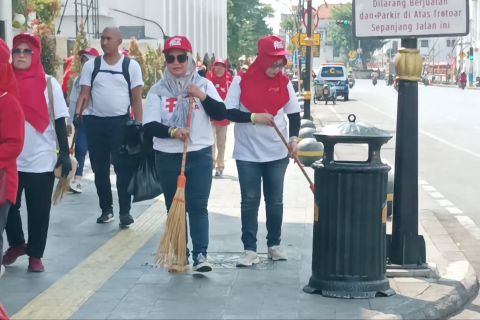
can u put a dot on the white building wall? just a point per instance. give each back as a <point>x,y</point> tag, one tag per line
<point>203,22</point>
<point>6,16</point>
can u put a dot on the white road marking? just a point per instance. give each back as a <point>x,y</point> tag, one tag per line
<point>422,182</point>
<point>429,188</point>
<point>436,195</point>
<point>444,203</point>
<point>454,210</point>
<point>470,225</point>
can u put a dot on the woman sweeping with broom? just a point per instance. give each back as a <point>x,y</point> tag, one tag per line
<point>260,102</point>
<point>177,114</point>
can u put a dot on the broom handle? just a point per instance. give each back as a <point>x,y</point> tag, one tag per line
<point>74,140</point>
<point>185,143</point>
<point>312,186</point>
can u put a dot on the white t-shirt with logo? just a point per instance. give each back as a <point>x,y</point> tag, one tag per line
<point>110,96</point>
<point>160,109</point>
<point>260,143</point>
<point>39,152</point>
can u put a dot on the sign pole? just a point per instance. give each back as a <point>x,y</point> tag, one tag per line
<point>308,65</point>
<point>407,247</point>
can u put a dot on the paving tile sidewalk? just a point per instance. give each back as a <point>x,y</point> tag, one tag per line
<point>139,290</point>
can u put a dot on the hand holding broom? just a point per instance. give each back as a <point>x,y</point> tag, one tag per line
<point>172,251</point>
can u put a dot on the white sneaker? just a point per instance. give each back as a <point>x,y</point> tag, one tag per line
<point>202,264</point>
<point>2,270</point>
<point>276,254</point>
<point>76,186</point>
<point>248,259</point>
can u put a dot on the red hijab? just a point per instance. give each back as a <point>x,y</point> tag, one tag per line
<point>32,84</point>
<point>221,83</point>
<point>8,83</point>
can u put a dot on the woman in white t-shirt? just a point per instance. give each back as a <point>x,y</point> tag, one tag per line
<point>165,118</point>
<point>255,101</point>
<point>39,157</point>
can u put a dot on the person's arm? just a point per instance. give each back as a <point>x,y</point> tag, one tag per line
<point>236,115</point>
<point>12,130</point>
<point>211,101</point>
<point>157,129</point>
<point>64,153</point>
<point>293,124</point>
<point>137,103</point>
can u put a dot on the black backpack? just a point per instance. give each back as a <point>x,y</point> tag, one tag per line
<point>125,73</point>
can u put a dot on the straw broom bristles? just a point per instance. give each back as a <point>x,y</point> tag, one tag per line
<point>172,251</point>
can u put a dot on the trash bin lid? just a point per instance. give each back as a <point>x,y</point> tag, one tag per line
<point>353,131</point>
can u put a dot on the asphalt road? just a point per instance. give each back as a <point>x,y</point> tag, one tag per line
<point>449,153</point>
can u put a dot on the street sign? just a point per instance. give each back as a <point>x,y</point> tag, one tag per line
<point>462,55</point>
<point>413,18</point>
<point>299,39</point>
<point>315,51</point>
<point>352,56</point>
<point>315,19</point>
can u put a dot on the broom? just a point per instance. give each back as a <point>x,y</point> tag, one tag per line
<point>172,251</point>
<point>295,158</point>
<point>63,184</point>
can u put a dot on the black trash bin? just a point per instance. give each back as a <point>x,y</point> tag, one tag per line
<point>349,232</point>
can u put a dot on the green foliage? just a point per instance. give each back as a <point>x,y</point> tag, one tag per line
<point>154,62</point>
<point>81,43</point>
<point>135,53</point>
<point>47,11</point>
<point>50,60</point>
<point>246,24</point>
<point>341,34</point>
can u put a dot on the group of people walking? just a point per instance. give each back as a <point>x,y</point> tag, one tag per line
<point>106,95</point>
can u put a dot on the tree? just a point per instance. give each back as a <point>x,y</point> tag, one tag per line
<point>135,53</point>
<point>154,62</point>
<point>246,24</point>
<point>341,34</point>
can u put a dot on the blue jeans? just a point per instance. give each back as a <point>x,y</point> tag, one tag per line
<point>198,172</point>
<point>250,175</point>
<point>81,149</point>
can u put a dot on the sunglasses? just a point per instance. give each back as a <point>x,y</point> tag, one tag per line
<point>25,52</point>
<point>181,58</point>
<point>277,65</point>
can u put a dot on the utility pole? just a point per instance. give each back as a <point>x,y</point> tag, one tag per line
<point>308,64</point>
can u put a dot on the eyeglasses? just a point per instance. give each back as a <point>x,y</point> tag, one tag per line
<point>181,58</point>
<point>25,52</point>
<point>277,66</point>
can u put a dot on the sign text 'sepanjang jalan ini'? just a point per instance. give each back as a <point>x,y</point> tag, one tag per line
<point>410,18</point>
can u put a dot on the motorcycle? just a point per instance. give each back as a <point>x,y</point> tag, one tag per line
<point>329,93</point>
<point>374,81</point>
<point>462,85</point>
<point>351,82</point>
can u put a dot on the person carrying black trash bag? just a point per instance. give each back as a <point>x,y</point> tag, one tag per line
<point>114,83</point>
<point>258,101</point>
<point>165,118</point>
<point>45,127</point>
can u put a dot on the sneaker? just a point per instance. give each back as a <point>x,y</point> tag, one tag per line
<point>106,217</point>
<point>13,253</point>
<point>276,254</point>
<point>125,220</point>
<point>76,186</point>
<point>35,265</point>
<point>248,259</point>
<point>2,270</point>
<point>201,264</point>
<point>218,173</point>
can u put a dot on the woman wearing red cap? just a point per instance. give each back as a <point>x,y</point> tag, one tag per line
<point>165,118</point>
<point>256,100</point>
<point>12,132</point>
<point>221,79</point>
<point>81,143</point>
<point>38,158</point>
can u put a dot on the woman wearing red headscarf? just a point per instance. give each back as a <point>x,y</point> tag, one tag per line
<point>221,79</point>
<point>12,131</point>
<point>44,127</point>
<point>256,100</point>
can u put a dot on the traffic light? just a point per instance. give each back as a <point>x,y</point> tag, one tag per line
<point>343,23</point>
<point>471,54</point>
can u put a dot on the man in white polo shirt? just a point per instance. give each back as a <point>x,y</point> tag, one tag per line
<point>114,83</point>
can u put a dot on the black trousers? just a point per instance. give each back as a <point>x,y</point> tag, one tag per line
<point>4,208</point>
<point>105,136</point>
<point>38,197</point>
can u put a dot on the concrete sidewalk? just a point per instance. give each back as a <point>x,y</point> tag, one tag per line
<point>109,274</point>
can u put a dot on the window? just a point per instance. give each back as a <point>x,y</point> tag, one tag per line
<point>332,71</point>
<point>132,31</point>
<point>451,43</point>
<point>424,43</point>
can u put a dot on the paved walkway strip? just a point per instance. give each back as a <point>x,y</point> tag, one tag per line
<point>67,295</point>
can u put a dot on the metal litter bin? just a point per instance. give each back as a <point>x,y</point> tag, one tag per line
<point>349,231</point>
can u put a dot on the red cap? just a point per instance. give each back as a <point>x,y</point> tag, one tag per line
<point>220,62</point>
<point>272,46</point>
<point>177,42</point>
<point>4,52</point>
<point>89,51</point>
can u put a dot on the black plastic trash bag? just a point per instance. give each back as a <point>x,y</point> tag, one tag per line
<point>145,183</point>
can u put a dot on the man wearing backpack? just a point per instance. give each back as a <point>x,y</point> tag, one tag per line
<point>114,84</point>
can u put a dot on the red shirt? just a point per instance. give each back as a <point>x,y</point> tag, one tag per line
<point>12,134</point>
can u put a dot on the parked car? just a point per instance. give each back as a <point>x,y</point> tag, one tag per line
<point>336,74</point>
